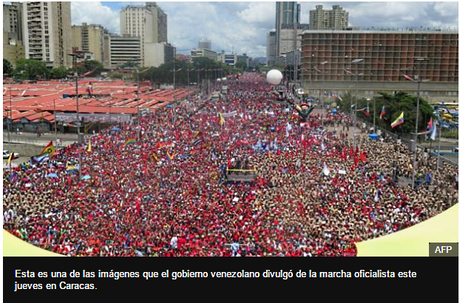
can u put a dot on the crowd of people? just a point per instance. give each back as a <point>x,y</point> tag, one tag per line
<point>158,187</point>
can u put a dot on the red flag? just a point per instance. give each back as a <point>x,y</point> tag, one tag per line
<point>356,159</point>
<point>363,157</point>
<point>138,204</point>
<point>408,78</point>
<point>351,152</point>
<point>88,73</point>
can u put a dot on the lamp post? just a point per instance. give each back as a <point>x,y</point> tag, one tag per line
<point>418,79</point>
<point>75,56</point>
<point>355,61</point>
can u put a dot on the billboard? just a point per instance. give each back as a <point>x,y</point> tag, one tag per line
<point>102,118</point>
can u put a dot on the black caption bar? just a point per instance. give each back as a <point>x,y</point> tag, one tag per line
<point>53,278</point>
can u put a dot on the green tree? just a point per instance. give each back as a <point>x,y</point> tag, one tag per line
<point>30,69</point>
<point>93,65</point>
<point>394,105</point>
<point>59,72</point>
<point>7,67</point>
<point>241,65</point>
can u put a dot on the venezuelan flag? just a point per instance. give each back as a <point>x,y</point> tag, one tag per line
<point>398,121</point>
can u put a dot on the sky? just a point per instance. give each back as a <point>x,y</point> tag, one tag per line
<point>243,26</point>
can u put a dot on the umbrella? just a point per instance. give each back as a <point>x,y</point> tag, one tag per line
<point>53,175</point>
<point>115,129</point>
<point>86,177</point>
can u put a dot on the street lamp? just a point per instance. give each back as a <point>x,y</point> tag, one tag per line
<point>355,61</point>
<point>418,79</point>
<point>75,56</point>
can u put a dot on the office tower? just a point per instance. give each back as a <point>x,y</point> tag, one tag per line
<point>124,49</point>
<point>287,19</point>
<point>271,48</point>
<point>46,32</point>
<point>337,18</point>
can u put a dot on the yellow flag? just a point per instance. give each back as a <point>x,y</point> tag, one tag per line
<point>89,145</point>
<point>10,157</point>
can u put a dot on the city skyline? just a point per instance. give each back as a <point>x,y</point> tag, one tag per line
<point>242,26</point>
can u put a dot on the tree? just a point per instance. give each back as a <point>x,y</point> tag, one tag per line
<point>30,69</point>
<point>59,72</point>
<point>394,105</point>
<point>241,65</point>
<point>7,67</point>
<point>93,65</point>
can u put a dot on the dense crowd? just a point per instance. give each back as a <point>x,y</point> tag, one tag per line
<point>158,187</point>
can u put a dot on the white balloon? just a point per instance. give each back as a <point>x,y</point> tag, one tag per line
<point>274,77</point>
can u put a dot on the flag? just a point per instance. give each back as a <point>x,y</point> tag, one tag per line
<point>221,120</point>
<point>154,155</point>
<point>130,141</point>
<point>363,157</point>
<point>430,124</point>
<point>10,158</point>
<point>197,142</point>
<point>48,149</point>
<point>377,195</point>
<point>366,111</point>
<point>337,97</point>
<point>433,131</point>
<point>288,129</point>
<point>89,73</point>
<point>170,157</point>
<point>41,158</point>
<point>382,112</point>
<point>89,145</point>
<point>398,121</point>
<point>326,170</point>
<point>408,78</point>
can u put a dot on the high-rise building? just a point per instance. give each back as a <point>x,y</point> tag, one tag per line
<point>149,23</point>
<point>91,39</point>
<point>13,48</point>
<point>287,27</point>
<point>271,47</point>
<point>46,32</point>
<point>204,43</point>
<point>12,19</point>
<point>368,62</point>
<point>337,18</point>
<point>160,22</point>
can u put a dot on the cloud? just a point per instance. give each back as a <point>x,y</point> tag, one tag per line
<point>259,13</point>
<point>95,13</point>
<point>243,26</point>
<point>229,26</point>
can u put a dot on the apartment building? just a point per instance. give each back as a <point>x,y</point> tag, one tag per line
<point>149,23</point>
<point>46,32</point>
<point>91,39</point>
<point>322,19</point>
